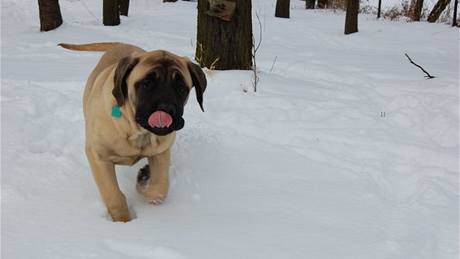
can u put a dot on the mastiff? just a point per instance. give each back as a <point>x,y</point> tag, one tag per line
<point>133,104</point>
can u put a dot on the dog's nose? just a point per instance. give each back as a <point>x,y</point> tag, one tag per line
<point>169,108</point>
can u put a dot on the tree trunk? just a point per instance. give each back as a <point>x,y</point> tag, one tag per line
<point>282,8</point>
<point>416,10</point>
<point>437,10</point>
<point>454,18</point>
<point>124,7</point>
<point>351,19</point>
<point>224,41</point>
<point>110,12</point>
<point>322,4</point>
<point>50,14</point>
<point>379,10</point>
<point>309,4</point>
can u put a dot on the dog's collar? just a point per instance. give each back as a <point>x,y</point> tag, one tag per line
<point>116,112</point>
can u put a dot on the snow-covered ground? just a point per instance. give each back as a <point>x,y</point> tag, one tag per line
<point>346,150</point>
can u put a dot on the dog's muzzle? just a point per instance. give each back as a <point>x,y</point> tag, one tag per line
<point>162,121</point>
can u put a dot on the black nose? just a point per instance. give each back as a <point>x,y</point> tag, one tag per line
<point>169,108</point>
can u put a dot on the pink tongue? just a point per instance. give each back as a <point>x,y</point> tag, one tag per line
<point>160,119</point>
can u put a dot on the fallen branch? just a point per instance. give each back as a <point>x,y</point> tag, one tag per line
<point>428,76</point>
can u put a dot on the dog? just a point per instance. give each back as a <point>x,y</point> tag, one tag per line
<point>133,104</point>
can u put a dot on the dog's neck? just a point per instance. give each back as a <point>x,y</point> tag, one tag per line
<point>137,136</point>
<point>140,139</point>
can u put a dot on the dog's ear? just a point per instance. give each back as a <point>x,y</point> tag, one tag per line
<point>198,80</point>
<point>120,87</point>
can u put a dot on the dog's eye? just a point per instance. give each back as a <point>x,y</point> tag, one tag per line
<point>150,78</point>
<point>148,81</point>
<point>177,77</point>
<point>182,90</point>
<point>144,85</point>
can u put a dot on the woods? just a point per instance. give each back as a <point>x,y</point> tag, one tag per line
<point>216,17</point>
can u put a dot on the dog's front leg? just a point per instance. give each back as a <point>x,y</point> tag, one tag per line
<point>153,179</point>
<point>106,181</point>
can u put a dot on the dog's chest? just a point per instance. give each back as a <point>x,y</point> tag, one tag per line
<point>137,146</point>
<point>124,160</point>
<point>131,149</point>
<point>140,140</point>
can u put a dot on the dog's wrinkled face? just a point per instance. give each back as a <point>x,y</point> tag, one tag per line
<point>160,99</point>
<point>158,89</point>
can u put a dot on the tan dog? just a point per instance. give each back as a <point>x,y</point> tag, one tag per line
<point>133,104</point>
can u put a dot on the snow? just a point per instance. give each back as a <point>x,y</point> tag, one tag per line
<point>345,151</point>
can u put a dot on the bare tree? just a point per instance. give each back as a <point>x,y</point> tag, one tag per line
<point>379,9</point>
<point>322,4</point>
<point>437,10</point>
<point>454,16</point>
<point>351,18</point>
<point>416,10</point>
<point>309,4</point>
<point>124,7</point>
<point>110,12</point>
<point>50,14</point>
<point>282,8</point>
<point>224,34</point>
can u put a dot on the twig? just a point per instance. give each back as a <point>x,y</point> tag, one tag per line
<point>273,64</point>
<point>428,76</point>
<point>213,64</point>
<point>260,32</point>
<point>254,53</point>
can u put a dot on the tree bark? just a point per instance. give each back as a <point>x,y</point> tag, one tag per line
<point>437,10</point>
<point>351,18</point>
<point>282,8</point>
<point>309,4</point>
<point>110,12</point>
<point>454,16</point>
<point>322,4</point>
<point>50,14</point>
<point>416,10</point>
<point>223,44</point>
<point>124,7</point>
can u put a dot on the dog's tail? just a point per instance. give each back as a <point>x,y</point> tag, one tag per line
<point>100,46</point>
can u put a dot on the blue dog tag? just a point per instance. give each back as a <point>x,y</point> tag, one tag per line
<point>116,112</point>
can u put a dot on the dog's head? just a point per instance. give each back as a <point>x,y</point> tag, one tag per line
<point>157,85</point>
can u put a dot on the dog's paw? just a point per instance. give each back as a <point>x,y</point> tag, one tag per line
<point>121,215</point>
<point>143,175</point>
<point>122,218</point>
<point>154,192</point>
<point>158,200</point>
